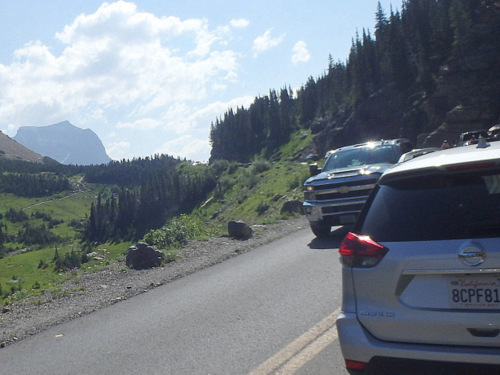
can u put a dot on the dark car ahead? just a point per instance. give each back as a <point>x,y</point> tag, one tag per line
<point>336,193</point>
<point>471,137</point>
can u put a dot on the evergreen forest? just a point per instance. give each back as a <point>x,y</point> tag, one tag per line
<point>403,53</point>
<point>136,196</point>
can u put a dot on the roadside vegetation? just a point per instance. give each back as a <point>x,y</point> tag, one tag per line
<point>43,238</point>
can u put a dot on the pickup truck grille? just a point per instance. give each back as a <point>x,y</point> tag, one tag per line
<point>339,193</point>
<point>345,208</point>
<point>355,182</point>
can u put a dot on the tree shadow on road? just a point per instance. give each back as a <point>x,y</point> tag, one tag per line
<point>332,241</point>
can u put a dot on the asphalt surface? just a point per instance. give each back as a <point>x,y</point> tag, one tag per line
<point>271,310</point>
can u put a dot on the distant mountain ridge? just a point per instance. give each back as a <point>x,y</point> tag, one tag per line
<point>65,143</point>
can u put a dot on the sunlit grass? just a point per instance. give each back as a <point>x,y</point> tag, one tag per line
<point>30,270</point>
<point>254,193</point>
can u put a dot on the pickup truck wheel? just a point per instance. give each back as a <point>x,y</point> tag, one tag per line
<point>320,230</point>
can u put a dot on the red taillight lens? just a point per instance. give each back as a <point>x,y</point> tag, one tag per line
<point>355,365</point>
<point>360,251</point>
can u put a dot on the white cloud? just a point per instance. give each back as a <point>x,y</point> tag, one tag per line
<point>300,53</point>
<point>239,23</point>
<point>183,119</point>
<point>119,63</point>
<point>141,124</point>
<point>186,146</point>
<point>265,42</point>
<point>118,150</point>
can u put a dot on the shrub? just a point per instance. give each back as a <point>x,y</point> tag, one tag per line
<point>219,166</point>
<point>262,207</point>
<point>36,235</point>
<point>261,165</point>
<point>223,186</point>
<point>69,261</point>
<point>249,178</point>
<point>171,256</point>
<point>16,216</point>
<point>177,232</point>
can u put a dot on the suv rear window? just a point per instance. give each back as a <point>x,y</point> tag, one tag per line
<point>434,207</point>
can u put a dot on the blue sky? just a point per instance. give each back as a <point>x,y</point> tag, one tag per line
<point>150,76</point>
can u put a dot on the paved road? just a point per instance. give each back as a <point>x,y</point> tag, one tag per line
<point>268,311</point>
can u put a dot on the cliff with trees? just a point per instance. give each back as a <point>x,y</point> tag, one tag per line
<point>427,73</point>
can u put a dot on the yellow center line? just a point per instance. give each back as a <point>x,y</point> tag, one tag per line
<point>296,354</point>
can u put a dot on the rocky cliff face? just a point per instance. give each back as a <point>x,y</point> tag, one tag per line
<point>468,93</point>
<point>65,143</point>
<point>466,97</point>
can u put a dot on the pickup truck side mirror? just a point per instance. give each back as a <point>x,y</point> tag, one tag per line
<point>313,169</point>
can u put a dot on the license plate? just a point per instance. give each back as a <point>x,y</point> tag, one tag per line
<point>347,219</point>
<point>479,292</point>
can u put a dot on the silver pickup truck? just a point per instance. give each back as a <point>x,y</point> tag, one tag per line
<point>335,194</point>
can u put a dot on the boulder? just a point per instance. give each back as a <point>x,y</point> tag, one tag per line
<point>293,206</point>
<point>143,256</point>
<point>239,229</point>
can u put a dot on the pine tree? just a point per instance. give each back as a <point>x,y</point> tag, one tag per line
<point>308,101</point>
<point>381,24</point>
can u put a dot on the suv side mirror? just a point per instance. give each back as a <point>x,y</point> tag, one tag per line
<point>313,169</point>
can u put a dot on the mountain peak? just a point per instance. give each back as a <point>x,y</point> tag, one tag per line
<point>64,142</point>
<point>64,123</point>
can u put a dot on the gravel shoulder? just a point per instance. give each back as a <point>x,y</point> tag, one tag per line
<point>89,292</point>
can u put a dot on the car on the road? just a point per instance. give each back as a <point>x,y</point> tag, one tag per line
<point>421,268</point>
<point>335,194</point>
<point>494,133</point>
<point>471,137</point>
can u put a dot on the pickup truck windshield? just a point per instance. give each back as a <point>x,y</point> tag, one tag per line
<point>360,156</point>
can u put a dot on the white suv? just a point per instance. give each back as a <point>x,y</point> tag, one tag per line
<point>421,268</point>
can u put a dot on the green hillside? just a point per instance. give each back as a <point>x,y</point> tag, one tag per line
<point>253,192</point>
<point>33,229</point>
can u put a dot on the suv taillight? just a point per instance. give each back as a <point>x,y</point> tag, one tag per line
<point>360,251</point>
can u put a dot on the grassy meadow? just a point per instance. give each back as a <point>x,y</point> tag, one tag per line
<point>30,270</point>
<point>253,192</point>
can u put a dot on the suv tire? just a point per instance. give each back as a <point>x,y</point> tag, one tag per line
<point>320,230</point>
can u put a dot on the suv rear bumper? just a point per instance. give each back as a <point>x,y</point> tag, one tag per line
<point>358,344</point>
